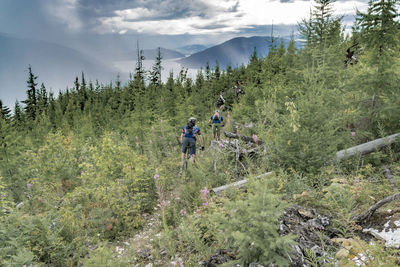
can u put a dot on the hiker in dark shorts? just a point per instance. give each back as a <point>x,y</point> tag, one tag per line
<point>188,139</point>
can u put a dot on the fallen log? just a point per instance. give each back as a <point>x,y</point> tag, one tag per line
<point>366,215</point>
<point>247,139</point>
<point>239,184</point>
<point>368,147</point>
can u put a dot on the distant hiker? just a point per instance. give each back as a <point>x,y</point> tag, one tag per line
<point>217,122</point>
<point>188,139</point>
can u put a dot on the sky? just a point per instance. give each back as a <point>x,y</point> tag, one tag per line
<point>156,22</point>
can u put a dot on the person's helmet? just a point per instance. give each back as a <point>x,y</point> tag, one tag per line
<point>217,111</point>
<point>192,119</point>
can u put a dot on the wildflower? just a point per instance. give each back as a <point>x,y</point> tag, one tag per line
<point>137,138</point>
<point>221,145</point>
<point>29,186</point>
<point>204,191</point>
<point>173,263</point>
<point>255,138</point>
<point>180,262</point>
<point>151,142</point>
<point>353,134</point>
<point>228,115</point>
<point>205,204</point>
<point>170,143</point>
<point>244,151</point>
<point>183,212</point>
<point>156,176</point>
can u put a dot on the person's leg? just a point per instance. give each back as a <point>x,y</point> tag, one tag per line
<point>218,130</point>
<point>214,130</point>
<point>192,150</point>
<point>184,147</point>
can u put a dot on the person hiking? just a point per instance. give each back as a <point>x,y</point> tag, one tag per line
<point>217,121</point>
<point>188,139</point>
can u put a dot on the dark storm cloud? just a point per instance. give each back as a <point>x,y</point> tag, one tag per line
<point>163,9</point>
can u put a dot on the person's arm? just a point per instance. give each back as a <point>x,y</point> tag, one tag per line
<point>201,142</point>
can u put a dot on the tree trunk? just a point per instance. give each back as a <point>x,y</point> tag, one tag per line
<point>368,147</point>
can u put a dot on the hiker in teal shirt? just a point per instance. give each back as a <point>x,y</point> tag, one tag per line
<point>217,122</point>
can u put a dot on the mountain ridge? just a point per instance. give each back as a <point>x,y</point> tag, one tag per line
<point>234,52</point>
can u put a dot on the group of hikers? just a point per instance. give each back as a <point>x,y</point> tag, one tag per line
<point>191,132</point>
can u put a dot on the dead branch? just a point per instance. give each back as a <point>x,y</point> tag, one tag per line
<point>388,174</point>
<point>239,184</point>
<point>366,215</point>
<point>244,138</point>
<point>368,147</point>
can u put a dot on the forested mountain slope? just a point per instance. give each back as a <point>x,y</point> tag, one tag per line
<point>84,174</point>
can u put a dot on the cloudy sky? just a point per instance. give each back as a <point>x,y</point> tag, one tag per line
<point>168,22</point>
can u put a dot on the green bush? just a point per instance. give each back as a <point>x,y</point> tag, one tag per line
<point>251,226</point>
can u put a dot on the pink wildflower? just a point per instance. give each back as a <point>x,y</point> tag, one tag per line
<point>353,134</point>
<point>183,212</point>
<point>156,176</point>
<point>29,186</point>
<point>151,142</point>
<point>244,151</point>
<point>255,138</point>
<point>204,191</point>
<point>205,204</point>
<point>221,145</point>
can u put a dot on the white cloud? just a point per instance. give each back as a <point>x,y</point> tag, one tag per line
<point>135,13</point>
<point>224,16</point>
<point>65,11</point>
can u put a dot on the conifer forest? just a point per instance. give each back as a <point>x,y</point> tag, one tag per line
<point>92,175</point>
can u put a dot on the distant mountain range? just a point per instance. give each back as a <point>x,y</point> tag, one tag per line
<point>57,65</point>
<point>191,49</point>
<point>234,52</point>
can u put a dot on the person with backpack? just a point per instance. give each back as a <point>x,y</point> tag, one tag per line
<point>217,121</point>
<point>190,132</point>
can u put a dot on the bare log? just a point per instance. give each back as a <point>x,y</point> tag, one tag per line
<point>366,215</point>
<point>239,184</point>
<point>244,138</point>
<point>368,147</point>
<point>388,174</point>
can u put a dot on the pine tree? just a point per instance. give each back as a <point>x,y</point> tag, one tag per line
<point>5,112</point>
<point>379,32</point>
<point>155,74</point>
<point>42,100</point>
<point>18,117</point>
<point>31,101</point>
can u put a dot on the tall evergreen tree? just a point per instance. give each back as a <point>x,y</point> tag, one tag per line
<point>42,99</point>
<point>31,101</point>
<point>5,112</point>
<point>379,32</point>
<point>155,73</point>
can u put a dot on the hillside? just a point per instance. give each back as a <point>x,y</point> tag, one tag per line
<point>306,172</point>
<point>234,52</point>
